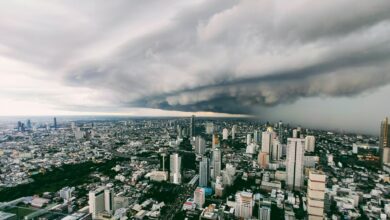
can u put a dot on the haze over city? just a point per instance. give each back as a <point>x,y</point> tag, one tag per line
<point>270,59</point>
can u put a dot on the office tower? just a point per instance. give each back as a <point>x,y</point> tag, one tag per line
<point>256,136</point>
<point>316,195</point>
<point>219,188</point>
<point>234,131</point>
<point>209,128</point>
<point>199,197</point>
<point>66,193</point>
<point>200,145</point>
<point>384,142</point>
<point>263,160</point>
<point>179,134</point>
<point>266,141</point>
<point>248,139</point>
<point>192,126</point>
<point>175,168</point>
<point>204,172</point>
<point>295,133</point>
<point>265,209</point>
<point>108,200</point>
<point>55,123</point>
<point>215,141</point>
<point>310,143</point>
<point>294,163</point>
<point>281,132</point>
<point>216,162</point>
<point>96,202</point>
<point>29,124</point>
<point>276,150</point>
<point>244,205</point>
<point>225,134</point>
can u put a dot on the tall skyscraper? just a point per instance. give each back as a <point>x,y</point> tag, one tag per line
<point>215,141</point>
<point>175,168</point>
<point>294,163</point>
<point>310,143</point>
<point>200,145</point>
<point>216,161</point>
<point>281,132</point>
<point>108,200</point>
<point>225,134</point>
<point>199,197</point>
<point>192,126</point>
<point>384,141</point>
<point>55,123</point>
<point>234,131</point>
<point>209,128</point>
<point>96,202</point>
<point>256,136</point>
<point>316,195</point>
<point>276,150</point>
<point>204,172</point>
<point>248,139</point>
<point>266,141</point>
<point>244,205</point>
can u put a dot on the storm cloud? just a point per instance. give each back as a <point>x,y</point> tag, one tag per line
<point>218,56</point>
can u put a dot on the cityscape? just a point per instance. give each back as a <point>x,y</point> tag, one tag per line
<point>194,110</point>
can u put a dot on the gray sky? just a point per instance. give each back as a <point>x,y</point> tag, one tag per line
<point>321,64</point>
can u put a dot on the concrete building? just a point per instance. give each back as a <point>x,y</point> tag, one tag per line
<point>244,205</point>
<point>316,195</point>
<point>310,143</point>
<point>294,162</point>
<point>204,172</point>
<point>199,197</point>
<point>225,134</point>
<point>200,145</point>
<point>96,202</point>
<point>175,169</point>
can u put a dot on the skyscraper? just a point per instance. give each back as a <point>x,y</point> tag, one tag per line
<point>225,134</point>
<point>234,131</point>
<point>384,142</point>
<point>199,197</point>
<point>192,126</point>
<point>96,202</point>
<point>294,163</point>
<point>276,150</point>
<point>108,200</point>
<point>216,162</point>
<point>266,141</point>
<point>215,141</point>
<point>209,128</point>
<point>310,143</point>
<point>244,205</point>
<point>175,168</point>
<point>55,123</point>
<point>248,139</point>
<point>200,145</point>
<point>316,195</point>
<point>281,132</point>
<point>204,172</point>
<point>256,136</point>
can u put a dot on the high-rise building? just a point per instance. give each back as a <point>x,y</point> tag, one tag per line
<point>199,197</point>
<point>215,141</point>
<point>248,139</point>
<point>244,205</point>
<point>276,152</point>
<point>263,160</point>
<point>265,209</point>
<point>204,172</point>
<point>96,202</point>
<point>175,169</point>
<point>29,124</point>
<point>108,200</point>
<point>310,143</point>
<point>209,128</point>
<point>295,133</point>
<point>384,141</point>
<point>192,126</point>
<point>294,163</point>
<point>200,145</point>
<point>281,132</point>
<point>216,162</point>
<point>55,123</point>
<point>256,136</point>
<point>234,131</point>
<point>266,141</point>
<point>316,195</point>
<point>225,134</point>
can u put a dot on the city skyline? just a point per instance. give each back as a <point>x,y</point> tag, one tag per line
<point>327,68</point>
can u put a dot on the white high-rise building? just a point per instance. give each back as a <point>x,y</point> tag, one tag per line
<point>294,163</point>
<point>204,172</point>
<point>256,136</point>
<point>209,128</point>
<point>310,143</point>
<point>108,200</point>
<point>200,145</point>
<point>295,133</point>
<point>216,162</point>
<point>96,202</point>
<point>244,205</point>
<point>215,141</point>
<point>266,141</point>
<point>199,197</point>
<point>234,131</point>
<point>66,193</point>
<point>316,195</point>
<point>264,213</point>
<point>225,134</point>
<point>175,168</point>
<point>276,153</point>
<point>248,139</point>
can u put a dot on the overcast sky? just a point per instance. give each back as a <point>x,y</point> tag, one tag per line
<point>320,64</point>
